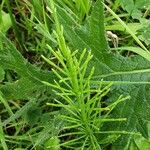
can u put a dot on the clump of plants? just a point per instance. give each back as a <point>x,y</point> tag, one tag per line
<point>84,114</point>
<point>62,86</point>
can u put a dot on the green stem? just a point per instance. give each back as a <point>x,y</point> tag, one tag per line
<point>14,24</point>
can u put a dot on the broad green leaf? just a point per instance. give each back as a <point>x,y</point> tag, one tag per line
<point>142,4</point>
<point>5,22</point>
<point>118,27</point>
<point>130,75</point>
<point>139,143</point>
<point>133,7</point>
<point>90,36</point>
<point>33,114</point>
<point>30,76</point>
<point>52,144</point>
<point>144,32</point>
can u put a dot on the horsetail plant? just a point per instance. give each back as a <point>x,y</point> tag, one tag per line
<point>84,114</point>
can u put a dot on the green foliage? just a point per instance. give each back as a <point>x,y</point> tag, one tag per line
<point>80,8</point>
<point>30,76</point>
<point>52,144</point>
<point>77,107</point>
<point>2,73</point>
<point>129,74</point>
<point>5,22</point>
<point>144,31</point>
<point>140,143</point>
<point>2,137</point>
<point>133,7</point>
<point>84,111</point>
<point>33,114</point>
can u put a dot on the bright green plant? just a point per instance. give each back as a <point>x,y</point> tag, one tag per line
<point>124,72</point>
<point>5,22</point>
<point>84,111</point>
<point>133,7</point>
<point>26,94</point>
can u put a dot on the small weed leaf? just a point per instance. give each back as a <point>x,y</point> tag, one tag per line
<point>5,22</point>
